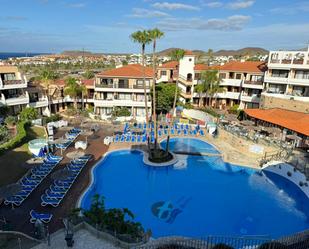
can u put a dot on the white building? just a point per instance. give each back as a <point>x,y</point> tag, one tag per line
<point>287,81</point>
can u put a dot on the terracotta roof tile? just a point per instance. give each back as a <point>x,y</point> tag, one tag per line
<point>246,66</point>
<point>203,67</point>
<point>128,71</point>
<point>295,121</point>
<point>169,65</point>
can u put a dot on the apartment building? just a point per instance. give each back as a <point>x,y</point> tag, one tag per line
<point>13,89</point>
<point>287,81</point>
<point>122,87</point>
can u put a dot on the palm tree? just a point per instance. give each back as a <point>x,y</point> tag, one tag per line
<point>143,38</point>
<point>73,89</point>
<point>176,55</point>
<point>154,34</point>
<point>211,83</point>
<point>210,55</point>
<point>46,78</point>
<point>200,89</point>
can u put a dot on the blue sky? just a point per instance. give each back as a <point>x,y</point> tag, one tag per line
<point>105,25</point>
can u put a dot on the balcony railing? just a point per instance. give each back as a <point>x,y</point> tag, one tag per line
<point>140,87</point>
<point>250,82</point>
<point>12,82</point>
<point>104,85</point>
<point>286,61</point>
<point>298,61</point>
<point>274,61</point>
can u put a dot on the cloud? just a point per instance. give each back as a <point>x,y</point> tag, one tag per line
<point>240,4</point>
<point>213,4</point>
<point>174,6</point>
<point>291,9</point>
<point>77,5</point>
<point>145,13</point>
<point>236,22</point>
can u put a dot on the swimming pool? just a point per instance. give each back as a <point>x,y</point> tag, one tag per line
<point>199,196</point>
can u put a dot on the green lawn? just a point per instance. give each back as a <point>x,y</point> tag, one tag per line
<point>11,161</point>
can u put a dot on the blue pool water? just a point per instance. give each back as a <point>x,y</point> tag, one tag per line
<point>199,196</point>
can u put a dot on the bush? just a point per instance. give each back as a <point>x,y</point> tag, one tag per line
<point>4,110</point>
<point>10,121</point>
<point>116,220</point>
<point>121,112</point>
<point>210,111</point>
<point>28,114</point>
<point>71,111</point>
<point>18,139</point>
<point>4,134</point>
<point>234,109</point>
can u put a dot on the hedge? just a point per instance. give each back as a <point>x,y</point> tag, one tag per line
<point>18,139</point>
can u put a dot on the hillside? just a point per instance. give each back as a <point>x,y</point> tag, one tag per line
<point>243,51</point>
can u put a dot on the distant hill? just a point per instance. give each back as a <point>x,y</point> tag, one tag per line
<point>243,51</point>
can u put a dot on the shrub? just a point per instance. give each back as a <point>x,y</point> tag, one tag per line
<point>4,110</point>
<point>234,109</point>
<point>28,114</point>
<point>121,112</point>
<point>4,134</point>
<point>116,220</point>
<point>10,121</point>
<point>18,139</point>
<point>210,111</point>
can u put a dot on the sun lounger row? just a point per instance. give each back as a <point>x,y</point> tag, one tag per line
<point>70,136</point>
<point>30,181</point>
<point>46,218</point>
<point>57,191</point>
<point>130,138</point>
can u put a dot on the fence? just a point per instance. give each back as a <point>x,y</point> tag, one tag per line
<point>16,240</point>
<point>296,241</point>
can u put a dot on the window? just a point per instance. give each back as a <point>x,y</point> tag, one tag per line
<point>302,74</point>
<point>9,76</point>
<point>222,76</point>
<point>190,59</point>
<point>163,73</point>
<point>197,76</point>
<point>238,76</point>
<point>257,78</point>
<point>280,73</point>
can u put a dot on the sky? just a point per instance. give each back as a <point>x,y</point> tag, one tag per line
<point>106,25</point>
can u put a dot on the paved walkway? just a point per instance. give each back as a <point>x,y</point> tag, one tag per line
<point>82,240</point>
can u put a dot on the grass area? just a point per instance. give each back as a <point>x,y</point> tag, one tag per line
<point>11,161</point>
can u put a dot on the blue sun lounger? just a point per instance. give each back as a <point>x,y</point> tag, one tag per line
<point>133,139</point>
<point>172,131</point>
<point>128,138</point>
<point>46,218</point>
<point>159,133</point>
<point>202,133</point>
<point>122,138</point>
<point>178,131</point>
<point>144,139</point>
<point>152,139</point>
<point>185,132</point>
<point>194,132</point>
<point>165,132</point>
<point>139,139</point>
<point>116,140</point>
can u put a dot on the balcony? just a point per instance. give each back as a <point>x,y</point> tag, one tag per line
<point>186,95</point>
<point>104,85</point>
<point>18,100</point>
<point>230,82</point>
<point>278,80</point>
<point>254,98</point>
<point>253,84</point>
<point>43,102</point>
<point>228,95</point>
<point>119,102</point>
<point>298,61</point>
<point>12,84</point>
<point>286,96</point>
<point>140,87</point>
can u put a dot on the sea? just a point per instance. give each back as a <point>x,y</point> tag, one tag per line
<point>6,55</point>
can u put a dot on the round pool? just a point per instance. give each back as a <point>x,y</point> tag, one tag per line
<point>199,195</point>
<point>36,145</point>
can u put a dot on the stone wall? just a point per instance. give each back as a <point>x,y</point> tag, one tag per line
<point>288,104</point>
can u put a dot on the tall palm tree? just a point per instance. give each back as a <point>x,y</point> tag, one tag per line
<point>176,55</point>
<point>210,55</point>
<point>143,38</point>
<point>46,78</point>
<point>154,34</point>
<point>73,89</point>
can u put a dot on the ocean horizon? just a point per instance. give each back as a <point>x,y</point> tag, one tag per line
<point>6,55</point>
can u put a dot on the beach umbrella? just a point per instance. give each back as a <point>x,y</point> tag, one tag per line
<point>61,174</point>
<point>10,190</point>
<point>75,154</point>
<point>86,134</point>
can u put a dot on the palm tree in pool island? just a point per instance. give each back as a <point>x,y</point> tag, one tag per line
<point>143,38</point>
<point>155,34</point>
